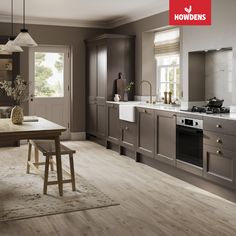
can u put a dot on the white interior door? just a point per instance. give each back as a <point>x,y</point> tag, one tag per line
<point>49,84</point>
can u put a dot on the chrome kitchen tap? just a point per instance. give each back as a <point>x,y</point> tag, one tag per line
<point>150,89</point>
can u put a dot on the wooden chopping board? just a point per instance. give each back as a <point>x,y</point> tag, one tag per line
<point>121,85</point>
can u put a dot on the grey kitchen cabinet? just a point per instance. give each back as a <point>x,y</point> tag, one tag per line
<point>219,151</point>
<point>219,140</point>
<point>92,91</point>
<point>106,56</point>
<point>128,135</point>
<point>219,125</point>
<point>113,123</point>
<point>145,131</point>
<point>165,137</point>
<point>219,165</point>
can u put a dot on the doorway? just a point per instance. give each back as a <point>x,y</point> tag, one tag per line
<point>49,84</point>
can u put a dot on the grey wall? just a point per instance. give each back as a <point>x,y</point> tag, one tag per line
<point>148,63</point>
<point>196,75</point>
<point>219,79</point>
<point>221,34</point>
<point>70,36</point>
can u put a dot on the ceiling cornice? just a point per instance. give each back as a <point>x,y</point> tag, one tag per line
<point>135,17</point>
<point>56,22</point>
<point>109,24</point>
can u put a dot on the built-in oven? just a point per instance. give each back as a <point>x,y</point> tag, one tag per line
<point>189,141</point>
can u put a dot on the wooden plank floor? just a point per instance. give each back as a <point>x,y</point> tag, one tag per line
<point>151,202</point>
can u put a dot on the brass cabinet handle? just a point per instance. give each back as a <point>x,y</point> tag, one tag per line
<point>218,152</point>
<point>218,126</point>
<point>144,110</point>
<point>218,141</point>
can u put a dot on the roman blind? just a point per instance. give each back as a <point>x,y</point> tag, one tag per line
<point>167,42</point>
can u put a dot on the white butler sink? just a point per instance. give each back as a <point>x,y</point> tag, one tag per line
<point>127,112</point>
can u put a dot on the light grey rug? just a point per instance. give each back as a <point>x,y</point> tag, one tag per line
<point>21,195</point>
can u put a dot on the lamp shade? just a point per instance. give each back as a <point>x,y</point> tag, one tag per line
<point>24,39</point>
<point>11,47</point>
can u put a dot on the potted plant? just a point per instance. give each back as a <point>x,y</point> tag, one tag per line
<point>127,90</point>
<point>18,92</point>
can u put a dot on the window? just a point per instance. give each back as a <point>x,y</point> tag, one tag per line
<point>49,74</point>
<point>167,62</point>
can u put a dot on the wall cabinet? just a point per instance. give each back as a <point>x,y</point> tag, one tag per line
<point>107,55</point>
<point>145,131</point>
<point>165,137</point>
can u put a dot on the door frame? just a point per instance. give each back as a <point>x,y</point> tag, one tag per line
<point>31,72</point>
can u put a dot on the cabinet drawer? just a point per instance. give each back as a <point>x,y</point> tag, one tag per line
<point>219,140</point>
<point>165,114</point>
<point>219,125</point>
<point>145,110</point>
<point>112,105</point>
<point>219,165</point>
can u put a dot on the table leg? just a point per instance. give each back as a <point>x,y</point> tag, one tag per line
<point>59,166</point>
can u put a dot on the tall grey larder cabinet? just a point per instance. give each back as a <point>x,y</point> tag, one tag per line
<point>106,56</point>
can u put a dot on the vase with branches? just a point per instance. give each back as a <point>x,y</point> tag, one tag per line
<point>17,90</point>
<point>127,90</point>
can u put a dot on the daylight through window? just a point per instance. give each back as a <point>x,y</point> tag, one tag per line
<point>167,61</point>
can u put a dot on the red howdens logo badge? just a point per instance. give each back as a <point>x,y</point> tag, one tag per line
<point>190,12</point>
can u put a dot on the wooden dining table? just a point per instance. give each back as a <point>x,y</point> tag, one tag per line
<point>37,129</point>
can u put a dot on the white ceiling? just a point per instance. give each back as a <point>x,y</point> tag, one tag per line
<point>93,13</point>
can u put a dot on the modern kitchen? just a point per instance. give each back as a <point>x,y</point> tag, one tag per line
<point>146,113</point>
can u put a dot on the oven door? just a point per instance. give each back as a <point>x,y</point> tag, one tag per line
<point>189,145</point>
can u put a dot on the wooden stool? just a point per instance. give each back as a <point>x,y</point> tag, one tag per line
<point>47,147</point>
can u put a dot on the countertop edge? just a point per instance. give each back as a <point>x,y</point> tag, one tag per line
<point>228,116</point>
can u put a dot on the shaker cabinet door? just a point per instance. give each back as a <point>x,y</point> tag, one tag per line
<point>219,165</point>
<point>145,126</point>
<point>165,137</point>
<point>92,72</point>
<point>128,135</point>
<point>113,123</point>
<point>101,117</point>
<point>101,70</point>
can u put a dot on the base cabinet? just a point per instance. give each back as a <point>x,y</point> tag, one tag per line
<point>146,131</point>
<point>122,133</point>
<point>220,165</point>
<point>165,137</point>
<point>113,123</point>
<point>153,135</point>
<point>128,135</point>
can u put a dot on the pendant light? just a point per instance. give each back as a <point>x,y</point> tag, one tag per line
<point>10,47</point>
<point>24,39</point>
